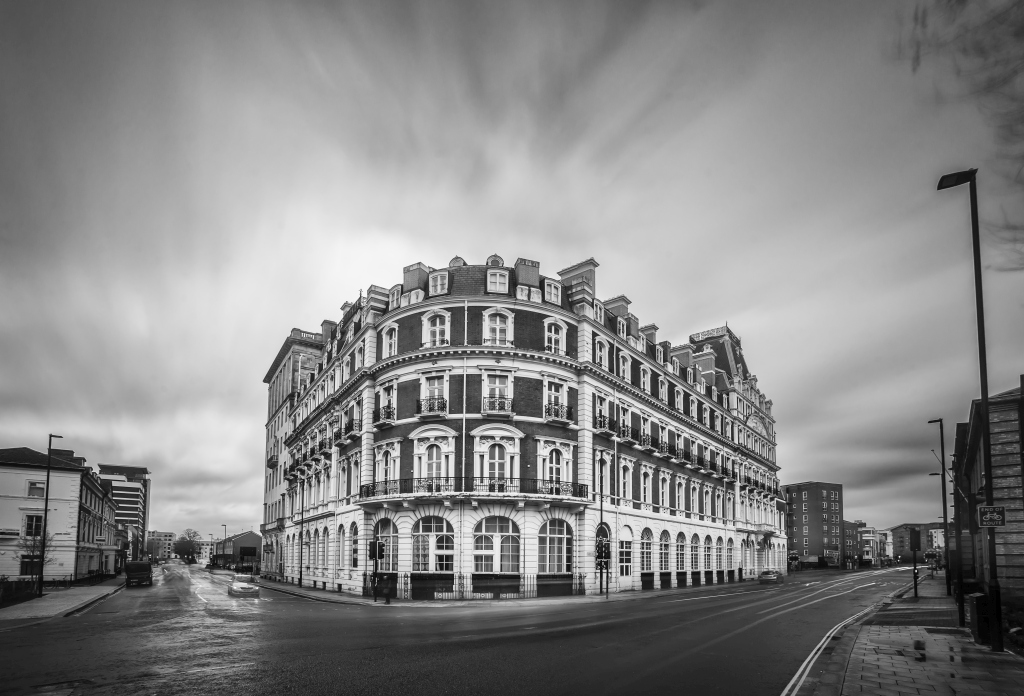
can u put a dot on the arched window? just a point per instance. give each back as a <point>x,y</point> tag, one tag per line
<point>646,537</point>
<point>664,546</point>
<point>433,459</point>
<point>437,331</point>
<point>707,553</point>
<point>624,367</point>
<point>695,552</point>
<point>497,330</point>
<point>680,551</point>
<point>359,356</point>
<point>496,546</point>
<point>433,539</point>
<point>601,354</point>
<point>624,482</point>
<point>340,552</point>
<point>387,533</point>
<point>645,379</point>
<point>386,472</point>
<point>553,339</point>
<point>326,548</point>
<point>719,545</point>
<point>626,552</point>
<point>496,462</point>
<point>554,473</point>
<point>693,498</point>
<point>554,547</point>
<point>355,545</point>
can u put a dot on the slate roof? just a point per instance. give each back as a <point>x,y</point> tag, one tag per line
<point>26,455</point>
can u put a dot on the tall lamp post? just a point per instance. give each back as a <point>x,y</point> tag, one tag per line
<point>945,504</point>
<point>46,510</point>
<point>969,176</point>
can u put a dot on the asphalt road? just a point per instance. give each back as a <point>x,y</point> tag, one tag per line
<point>185,635</point>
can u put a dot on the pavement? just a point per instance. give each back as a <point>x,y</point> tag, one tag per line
<point>56,603</point>
<point>912,645</point>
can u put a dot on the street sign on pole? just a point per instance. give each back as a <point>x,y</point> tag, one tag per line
<point>991,516</point>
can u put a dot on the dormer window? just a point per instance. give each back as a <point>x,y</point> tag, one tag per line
<point>645,379</point>
<point>497,281</point>
<point>659,353</point>
<point>641,343</point>
<point>662,389</point>
<point>689,375</point>
<point>714,393</point>
<point>553,339</point>
<point>624,367</point>
<point>622,328</point>
<point>395,297</point>
<point>552,292</point>
<point>675,367</point>
<point>599,313</point>
<point>438,283</point>
<point>601,354</point>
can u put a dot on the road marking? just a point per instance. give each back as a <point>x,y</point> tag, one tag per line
<point>728,594</point>
<point>201,597</point>
<point>798,599</point>
<point>794,686</point>
<point>210,669</point>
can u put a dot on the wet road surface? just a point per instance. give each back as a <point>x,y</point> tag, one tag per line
<point>185,635</point>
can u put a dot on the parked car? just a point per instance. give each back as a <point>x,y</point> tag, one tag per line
<point>770,576</point>
<point>244,586</point>
<point>138,572</point>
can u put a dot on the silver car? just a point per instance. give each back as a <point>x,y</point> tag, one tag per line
<point>770,576</point>
<point>244,586</point>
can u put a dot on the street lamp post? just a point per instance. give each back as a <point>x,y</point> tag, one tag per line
<point>46,510</point>
<point>945,504</point>
<point>969,176</point>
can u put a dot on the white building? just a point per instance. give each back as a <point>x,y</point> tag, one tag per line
<point>206,550</point>
<point>489,425</point>
<point>80,520</point>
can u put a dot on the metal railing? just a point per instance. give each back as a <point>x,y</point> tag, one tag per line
<point>604,423</point>
<point>272,461</point>
<point>384,414</point>
<point>628,433</point>
<point>558,412</point>
<point>353,428</point>
<point>496,404</point>
<point>432,406</point>
<point>459,484</point>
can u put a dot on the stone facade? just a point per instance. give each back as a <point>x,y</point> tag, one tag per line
<point>487,424</point>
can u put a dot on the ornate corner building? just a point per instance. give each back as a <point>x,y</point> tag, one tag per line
<point>489,425</point>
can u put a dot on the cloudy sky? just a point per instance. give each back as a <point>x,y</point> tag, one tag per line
<point>182,183</point>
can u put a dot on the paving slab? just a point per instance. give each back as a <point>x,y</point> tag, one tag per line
<point>56,603</point>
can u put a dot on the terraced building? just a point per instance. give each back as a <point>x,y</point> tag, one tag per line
<point>488,424</point>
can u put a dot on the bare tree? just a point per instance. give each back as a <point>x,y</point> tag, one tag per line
<point>187,545</point>
<point>981,44</point>
<point>31,547</point>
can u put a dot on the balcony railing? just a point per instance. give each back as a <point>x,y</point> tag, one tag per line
<point>436,343</point>
<point>628,433</point>
<point>554,350</point>
<point>503,342</point>
<point>700,462</point>
<point>665,449</point>
<point>558,412</point>
<point>432,406</point>
<point>445,485</point>
<point>272,461</point>
<point>604,424</point>
<point>645,441</point>
<point>385,415</point>
<point>353,428</point>
<point>496,406</point>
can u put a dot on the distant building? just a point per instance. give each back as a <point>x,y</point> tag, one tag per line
<point>206,550</point>
<point>160,545</point>
<point>901,540</point>
<point>1005,417</point>
<point>238,548</point>
<point>936,538</point>
<point>815,524</point>
<point>130,486</point>
<point>851,545</point>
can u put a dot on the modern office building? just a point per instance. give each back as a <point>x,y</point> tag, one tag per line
<point>815,524</point>
<point>488,425</point>
<point>130,486</point>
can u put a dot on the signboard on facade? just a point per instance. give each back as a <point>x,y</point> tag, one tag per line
<point>991,516</point>
<point>247,552</point>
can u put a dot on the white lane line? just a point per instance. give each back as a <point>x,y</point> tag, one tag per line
<point>729,594</point>
<point>210,669</point>
<point>794,685</point>
<point>800,599</point>
<point>201,597</point>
